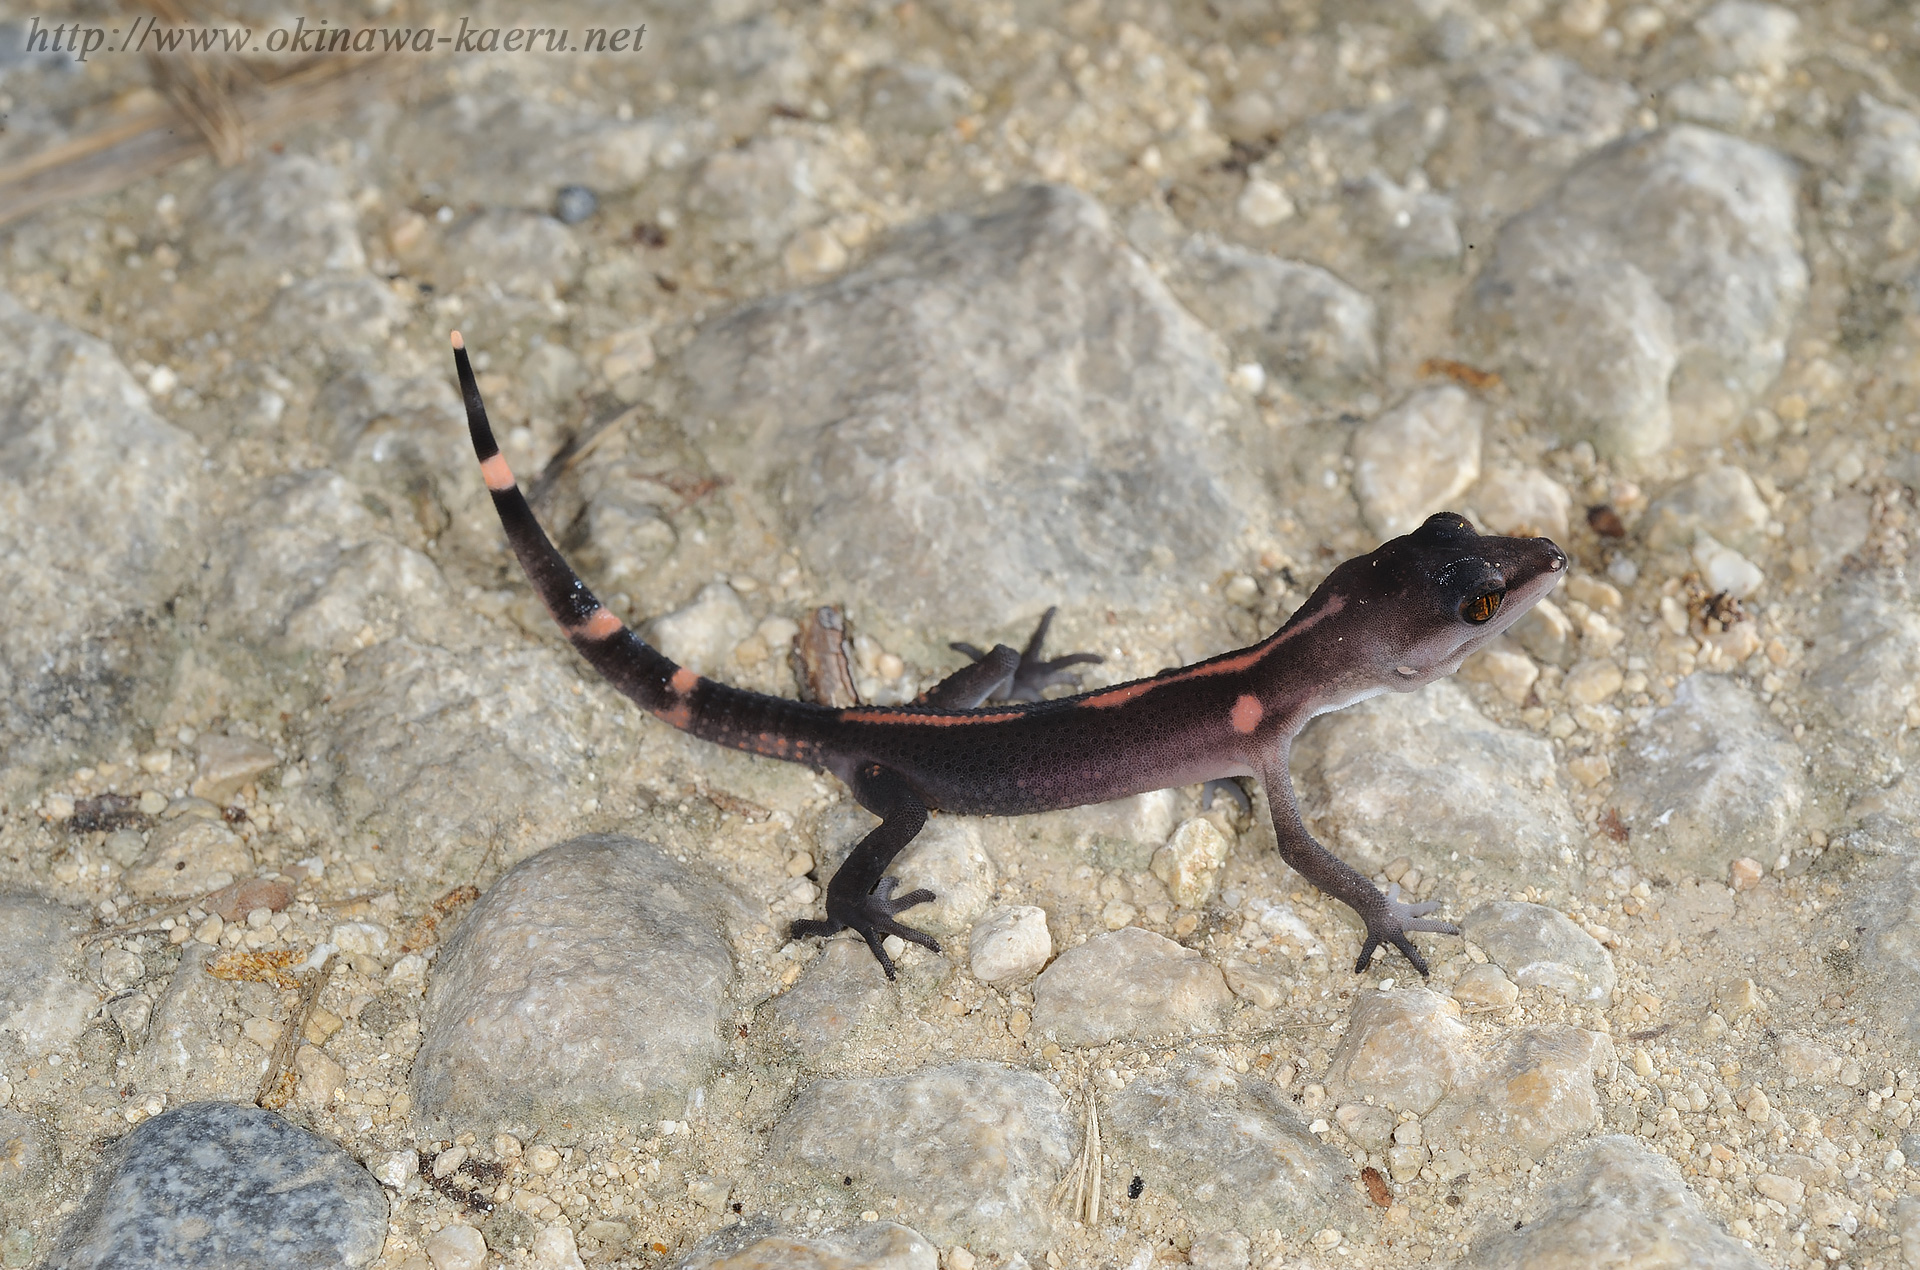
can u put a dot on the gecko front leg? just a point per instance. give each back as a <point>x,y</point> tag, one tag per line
<point>1388,919</point>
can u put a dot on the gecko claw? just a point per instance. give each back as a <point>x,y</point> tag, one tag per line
<point>1395,922</point>
<point>871,917</point>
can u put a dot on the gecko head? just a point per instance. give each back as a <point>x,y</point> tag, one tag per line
<point>1444,591</point>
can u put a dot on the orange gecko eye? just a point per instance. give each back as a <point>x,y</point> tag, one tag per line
<point>1481,608</point>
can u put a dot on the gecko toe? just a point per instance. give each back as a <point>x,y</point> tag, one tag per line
<point>872,917</point>
<point>1394,921</point>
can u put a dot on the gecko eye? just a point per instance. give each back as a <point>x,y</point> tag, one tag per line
<point>1481,608</point>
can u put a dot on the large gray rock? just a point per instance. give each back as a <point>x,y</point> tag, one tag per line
<point>98,512</point>
<point>1230,1149</point>
<point>522,738</point>
<point>1866,659</point>
<point>1708,779</point>
<point>1648,297</point>
<point>285,211</point>
<point>214,1184</point>
<point>43,1005</point>
<point>1010,385</point>
<point>589,982</point>
<point>970,1150</point>
<point>1301,321</point>
<point>1426,769</point>
<point>1128,983</point>
<point>1613,1200</point>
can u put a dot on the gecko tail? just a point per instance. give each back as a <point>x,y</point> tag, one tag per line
<point>628,662</point>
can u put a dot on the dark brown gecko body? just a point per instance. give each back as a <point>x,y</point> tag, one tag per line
<point>1390,621</point>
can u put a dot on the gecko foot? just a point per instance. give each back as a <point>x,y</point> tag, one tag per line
<point>1392,924</point>
<point>1034,674</point>
<point>871,917</point>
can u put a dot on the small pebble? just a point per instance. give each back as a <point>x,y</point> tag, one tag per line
<point>574,203</point>
<point>457,1248</point>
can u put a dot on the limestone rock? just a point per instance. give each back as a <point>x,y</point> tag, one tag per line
<point>1616,1194</point>
<point>1231,1149</point>
<point>589,981</point>
<point>1126,983</point>
<point>1540,947</point>
<point>1710,778</point>
<point>970,1149</point>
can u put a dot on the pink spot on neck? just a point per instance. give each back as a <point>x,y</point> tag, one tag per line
<point>1247,713</point>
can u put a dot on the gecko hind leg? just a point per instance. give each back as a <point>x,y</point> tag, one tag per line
<point>1034,674</point>
<point>1393,925</point>
<point>859,898</point>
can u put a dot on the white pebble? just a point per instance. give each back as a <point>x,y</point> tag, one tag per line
<point>1264,204</point>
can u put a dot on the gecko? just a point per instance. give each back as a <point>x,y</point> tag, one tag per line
<point>984,742</point>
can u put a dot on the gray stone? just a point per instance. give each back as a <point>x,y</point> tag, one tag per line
<point>43,1005</point>
<point>1411,227</point>
<point>213,1184</point>
<point>1540,947</point>
<point>1722,501</point>
<point>1416,459</point>
<point>1405,1049</point>
<point>283,212</point>
<point>588,982</point>
<point>1427,769</point>
<point>914,100</point>
<point>1128,983</point>
<point>1616,1194</point>
<point>1552,284</point>
<point>523,739</point>
<point>841,995</point>
<point>1648,297</point>
<point>761,192</point>
<point>184,855</point>
<point>1522,501</point>
<point>312,570</point>
<point>1889,910</point>
<point>881,1245</point>
<point>333,316</point>
<point>1221,1250</point>
<point>702,634</point>
<point>949,858</point>
<point>27,1159</point>
<point>1836,529</point>
<point>1301,321</point>
<point>1865,668</point>
<point>1011,384</point>
<point>1231,1150</point>
<point>1540,112</point>
<point>1742,35</point>
<point>1011,942</point>
<point>1883,151</point>
<point>970,1150</point>
<point>1708,779</point>
<point>1532,1093</point>
<point>522,253</point>
<point>98,512</point>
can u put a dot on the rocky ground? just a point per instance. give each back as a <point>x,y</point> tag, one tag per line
<point>944,313</point>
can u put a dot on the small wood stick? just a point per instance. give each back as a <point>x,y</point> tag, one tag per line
<point>275,1090</point>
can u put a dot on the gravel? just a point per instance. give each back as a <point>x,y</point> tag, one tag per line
<point>943,316</point>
